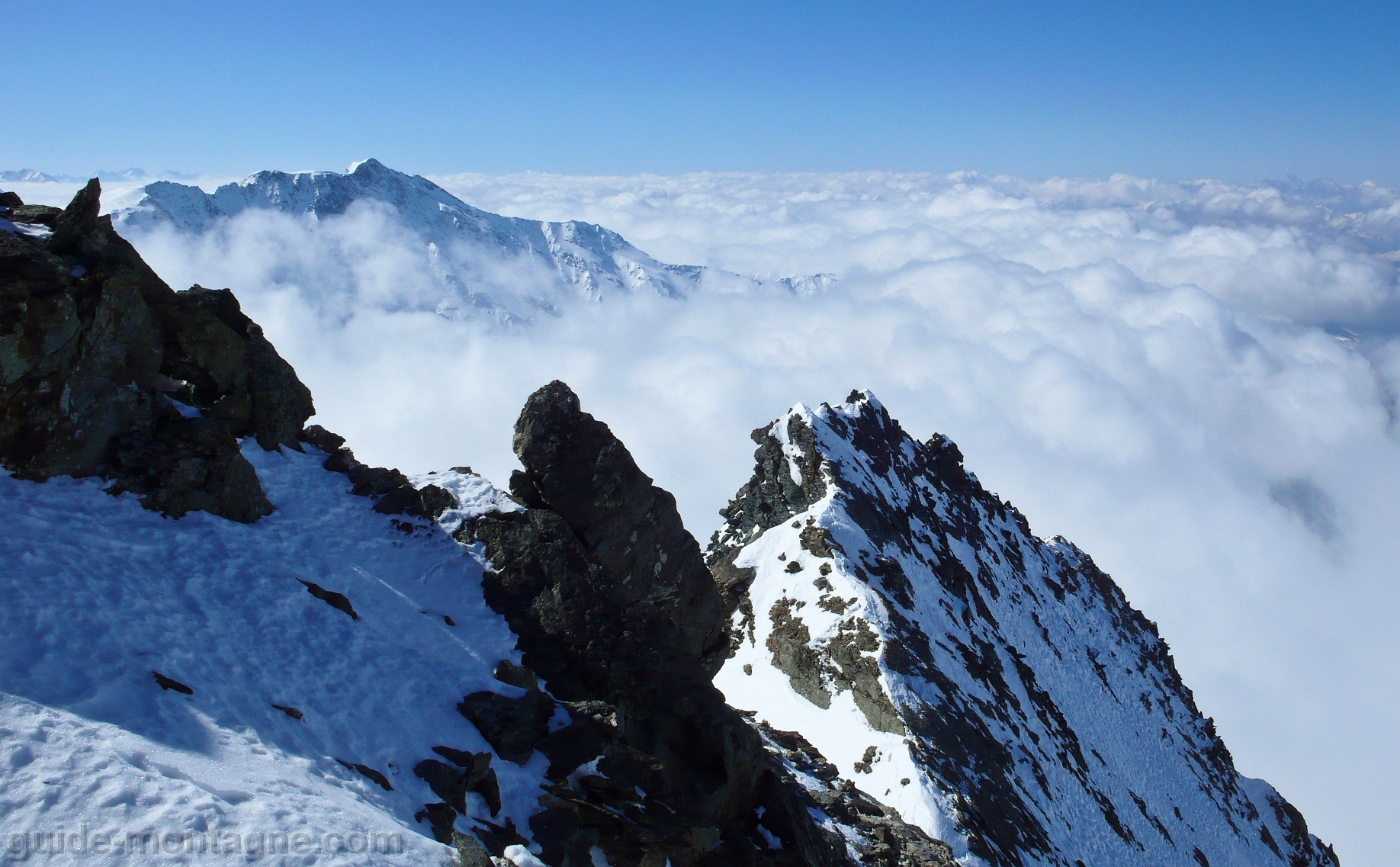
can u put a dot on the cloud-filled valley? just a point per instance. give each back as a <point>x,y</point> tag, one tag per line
<point>1194,382</point>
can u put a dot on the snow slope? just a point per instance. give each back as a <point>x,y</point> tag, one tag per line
<point>995,688</point>
<point>99,593</point>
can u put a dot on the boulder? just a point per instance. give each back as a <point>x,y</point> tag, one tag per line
<point>38,215</point>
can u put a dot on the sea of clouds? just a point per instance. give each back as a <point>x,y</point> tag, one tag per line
<point>1195,382</point>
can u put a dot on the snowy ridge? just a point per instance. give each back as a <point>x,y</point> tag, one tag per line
<point>34,176</point>
<point>104,593</point>
<point>26,176</point>
<point>994,688</point>
<point>506,268</point>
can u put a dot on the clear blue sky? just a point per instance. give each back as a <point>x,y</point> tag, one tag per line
<point>1242,91</point>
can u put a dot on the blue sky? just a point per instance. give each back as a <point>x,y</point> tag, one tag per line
<point>1243,91</point>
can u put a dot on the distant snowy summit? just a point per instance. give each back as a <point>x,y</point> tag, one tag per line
<point>25,176</point>
<point>34,176</point>
<point>546,264</point>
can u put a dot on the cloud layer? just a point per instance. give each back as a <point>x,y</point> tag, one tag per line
<point>1194,382</point>
<point>1292,250</point>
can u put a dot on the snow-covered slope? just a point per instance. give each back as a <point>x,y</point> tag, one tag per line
<point>995,688</point>
<point>552,261</point>
<point>100,593</point>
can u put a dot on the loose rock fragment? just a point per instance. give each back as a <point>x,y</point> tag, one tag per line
<point>338,601</point>
<point>171,683</point>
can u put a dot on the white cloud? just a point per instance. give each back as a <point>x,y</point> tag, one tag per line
<point>1140,366</point>
<point>1302,252</point>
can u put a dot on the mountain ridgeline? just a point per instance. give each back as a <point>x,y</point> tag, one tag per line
<point>997,689</point>
<point>874,661</point>
<point>480,265</point>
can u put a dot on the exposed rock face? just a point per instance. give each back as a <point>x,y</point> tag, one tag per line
<point>651,568</point>
<point>615,610</point>
<point>105,371</point>
<point>770,496</point>
<point>996,689</point>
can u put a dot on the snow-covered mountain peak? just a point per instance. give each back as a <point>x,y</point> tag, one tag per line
<point>472,262</point>
<point>507,267</point>
<point>995,688</point>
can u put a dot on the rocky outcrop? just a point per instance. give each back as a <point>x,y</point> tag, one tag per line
<point>770,497</point>
<point>106,371</point>
<point>391,489</point>
<point>649,566</point>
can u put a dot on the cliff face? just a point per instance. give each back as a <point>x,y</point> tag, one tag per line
<point>995,688</point>
<point>105,371</point>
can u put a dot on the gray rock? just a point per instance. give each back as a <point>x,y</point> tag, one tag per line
<point>512,726</point>
<point>374,481</point>
<point>429,501</point>
<point>374,776</point>
<point>877,832</point>
<point>629,527</point>
<point>861,675</point>
<point>321,438</point>
<point>789,642</point>
<point>78,221</point>
<point>338,601</point>
<point>470,853</point>
<point>771,496</point>
<point>292,712</point>
<point>169,683</point>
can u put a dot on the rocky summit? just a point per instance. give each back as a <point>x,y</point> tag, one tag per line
<point>273,649</point>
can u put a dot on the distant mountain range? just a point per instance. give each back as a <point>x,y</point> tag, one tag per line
<point>551,263</point>
<point>34,176</point>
